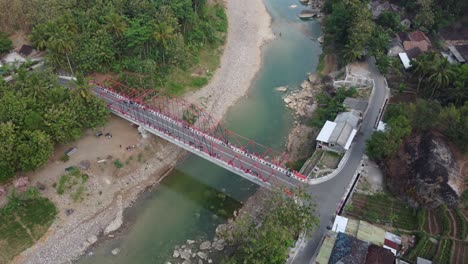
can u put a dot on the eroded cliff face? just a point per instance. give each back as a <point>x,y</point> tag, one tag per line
<point>425,172</point>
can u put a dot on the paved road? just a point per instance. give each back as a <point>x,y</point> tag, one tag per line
<point>329,194</point>
<point>220,152</point>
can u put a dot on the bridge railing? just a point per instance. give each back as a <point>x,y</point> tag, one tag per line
<point>248,150</point>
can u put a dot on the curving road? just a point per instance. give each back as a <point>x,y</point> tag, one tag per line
<point>328,195</point>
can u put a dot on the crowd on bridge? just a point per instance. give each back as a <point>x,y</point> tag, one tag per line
<point>198,135</point>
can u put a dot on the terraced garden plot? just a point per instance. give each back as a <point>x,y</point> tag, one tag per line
<point>444,252</point>
<point>432,224</point>
<point>460,253</point>
<point>424,248</point>
<point>461,224</point>
<point>384,209</point>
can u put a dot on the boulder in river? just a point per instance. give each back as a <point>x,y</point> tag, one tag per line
<point>185,254</point>
<point>115,251</point>
<point>282,89</point>
<point>202,255</point>
<point>205,245</point>
<point>92,239</point>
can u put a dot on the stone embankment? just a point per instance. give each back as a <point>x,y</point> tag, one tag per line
<point>302,102</point>
<point>210,251</point>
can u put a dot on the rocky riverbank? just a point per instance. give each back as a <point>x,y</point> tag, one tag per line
<point>303,103</point>
<point>200,251</point>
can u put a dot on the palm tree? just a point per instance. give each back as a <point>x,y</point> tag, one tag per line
<point>115,24</point>
<point>163,34</point>
<point>442,75</point>
<point>421,68</point>
<point>62,43</point>
<point>459,93</point>
<point>351,52</point>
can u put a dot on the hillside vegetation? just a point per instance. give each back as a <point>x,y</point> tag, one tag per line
<point>36,112</point>
<point>143,41</point>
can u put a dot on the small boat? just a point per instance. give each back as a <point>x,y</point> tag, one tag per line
<point>304,2</point>
<point>307,14</point>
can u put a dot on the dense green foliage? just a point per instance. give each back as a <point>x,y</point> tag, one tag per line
<point>35,113</point>
<point>5,43</point>
<point>23,221</point>
<point>419,117</point>
<point>348,28</point>
<point>438,79</point>
<point>330,105</point>
<point>143,41</point>
<point>270,242</point>
<point>385,143</point>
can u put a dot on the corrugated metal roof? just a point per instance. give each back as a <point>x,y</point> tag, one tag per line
<point>326,131</point>
<point>350,139</point>
<point>371,233</point>
<point>379,255</point>
<point>393,237</point>
<point>340,224</point>
<point>356,104</point>
<point>457,54</point>
<point>348,117</point>
<point>348,250</point>
<point>352,227</point>
<point>405,60</point>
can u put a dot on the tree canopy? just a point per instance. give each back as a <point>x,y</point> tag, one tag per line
<point>146,38</point>
<point>424,115</point>
<point>35,113</point>
<point>270,242</point>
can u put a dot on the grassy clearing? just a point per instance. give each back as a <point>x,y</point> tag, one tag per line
<point>330,159</point>
<point>22,222</point>
<point>384,209</point>
<point>296,165</point>
<point>73,182</point>
<point>321,64</point>
<point>198,75</point>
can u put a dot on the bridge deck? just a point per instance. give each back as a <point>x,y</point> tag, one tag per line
<point>224,154</point>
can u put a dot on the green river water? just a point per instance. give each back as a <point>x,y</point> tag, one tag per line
<point>198,195</point>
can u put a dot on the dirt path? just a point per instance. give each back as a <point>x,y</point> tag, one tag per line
<point>428,224</point>
<point>330,64</point>
<point>435,224</point>
<point>18,220</point>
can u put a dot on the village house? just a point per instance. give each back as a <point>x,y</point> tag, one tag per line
<point>457,54</point>
<point>338,135</point>
<point>357,106</point>
<point>408,46</point>
<point>356,241</point>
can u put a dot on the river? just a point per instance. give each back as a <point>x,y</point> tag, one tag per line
<point>197,196</point>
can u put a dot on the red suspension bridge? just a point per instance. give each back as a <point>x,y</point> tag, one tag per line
<point>187,126</point>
